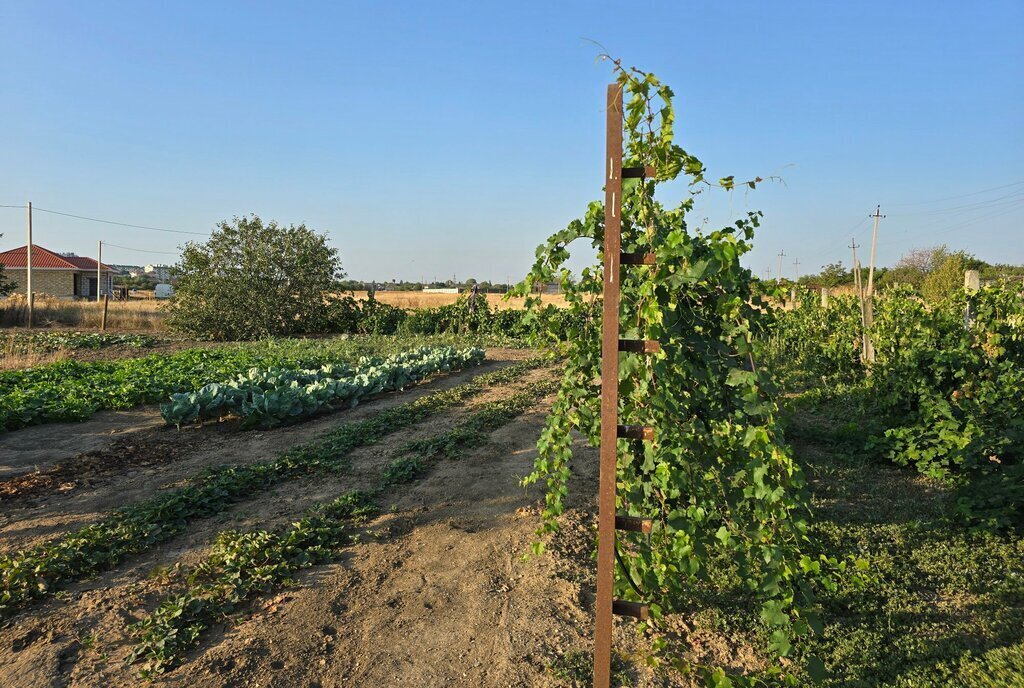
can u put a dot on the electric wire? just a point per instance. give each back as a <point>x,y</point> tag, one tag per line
<point>119,224</point>
<point>140,250</point>
<point>953,198</point>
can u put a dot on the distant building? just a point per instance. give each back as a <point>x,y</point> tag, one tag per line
<point>129,270</point>
<point>161,273</point>
<point>63,275</point>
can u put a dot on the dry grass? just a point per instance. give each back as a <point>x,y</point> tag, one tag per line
<point>134,315</point>
<point>417,299</point>
<point>30,359</point>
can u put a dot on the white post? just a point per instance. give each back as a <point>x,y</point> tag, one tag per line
<point>972,280</point>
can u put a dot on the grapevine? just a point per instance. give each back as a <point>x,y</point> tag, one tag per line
<point>717,481</point>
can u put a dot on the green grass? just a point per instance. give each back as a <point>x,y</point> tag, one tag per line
<point>943,606</point>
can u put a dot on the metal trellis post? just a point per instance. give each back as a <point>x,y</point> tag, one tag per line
<point>608,519</point>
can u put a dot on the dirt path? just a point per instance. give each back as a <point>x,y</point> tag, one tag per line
<point>39,447</point>
<point>442,597</point>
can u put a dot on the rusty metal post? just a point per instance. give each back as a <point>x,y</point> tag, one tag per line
<point>609,391</point>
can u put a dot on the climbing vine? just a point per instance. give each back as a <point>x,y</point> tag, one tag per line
<point>718,482</point>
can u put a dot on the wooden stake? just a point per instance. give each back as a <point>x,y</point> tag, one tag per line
<point>103,320</point>
<point>99,262</point>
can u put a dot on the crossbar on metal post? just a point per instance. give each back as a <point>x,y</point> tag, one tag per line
<point>609,391</point>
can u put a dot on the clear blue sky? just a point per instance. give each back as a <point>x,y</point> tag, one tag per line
<point>438,138</point>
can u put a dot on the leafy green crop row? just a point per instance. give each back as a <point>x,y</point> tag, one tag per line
<point>267,398</point>
<point>38,572</point>
<point>74,390</point>
<point>243,565</point>
<point>27,342</point>
<point>239,567</point>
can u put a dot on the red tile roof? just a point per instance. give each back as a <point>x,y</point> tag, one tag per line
<point>46,259</point>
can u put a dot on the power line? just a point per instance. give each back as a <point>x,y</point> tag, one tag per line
<point>119,224</point>
<point>970,207</point>
<point>952,198</point>
<point>959,224</point>
<point>140,250</point>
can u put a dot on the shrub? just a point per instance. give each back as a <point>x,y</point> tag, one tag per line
<point>253,280</point>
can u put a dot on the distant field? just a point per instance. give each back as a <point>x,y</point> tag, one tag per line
<point>417,299</point>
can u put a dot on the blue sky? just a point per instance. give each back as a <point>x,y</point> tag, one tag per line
<point>432,139</point>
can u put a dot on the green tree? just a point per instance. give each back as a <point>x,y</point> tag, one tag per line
<point>947,278</point>
<point>254,280</point>
<point>6,286</point>
<point>831,275</point>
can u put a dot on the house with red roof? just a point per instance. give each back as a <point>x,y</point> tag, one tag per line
<point>63,275</point>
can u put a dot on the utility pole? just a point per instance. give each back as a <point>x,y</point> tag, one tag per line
<point>874,240</point>
<point>99,262</point>
<point>781,256</point>
<point>796,270</point>
<point>769,271</point>
<point>860,297</point>
<point>28,268</point>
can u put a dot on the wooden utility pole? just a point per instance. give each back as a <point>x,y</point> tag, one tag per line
<point>874,241</point>
<point>860,298</point>
<point>781,256</point>
<point>99,262</point>
<point>28,268</point>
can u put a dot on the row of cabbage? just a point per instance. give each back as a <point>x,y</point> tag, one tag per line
<point>265,398</point>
